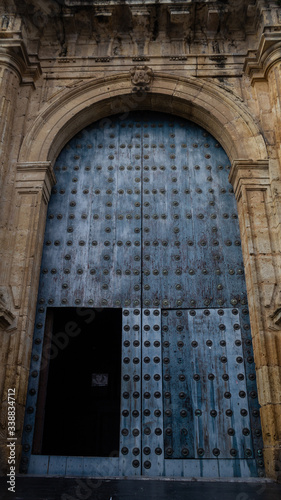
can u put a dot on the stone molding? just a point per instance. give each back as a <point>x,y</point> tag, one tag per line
<point>13,54</point>
<point>33,186</point>
<point>276,316</point>
<point>222,113</point>
<point>249,173</point>
<point>7,315</point>
<point>33,177</point>
<point>248,177</point>
<point>261,253</point>
<point>258,63</point>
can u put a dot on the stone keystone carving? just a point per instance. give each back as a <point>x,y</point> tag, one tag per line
<point>141,78</point>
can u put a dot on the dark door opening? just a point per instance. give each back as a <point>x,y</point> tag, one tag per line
<point>82,401</point>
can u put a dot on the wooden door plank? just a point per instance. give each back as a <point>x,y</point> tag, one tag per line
<point>203,348</point>
<point>152,406</point>
<point>130,424</point>
<point>57,465</point>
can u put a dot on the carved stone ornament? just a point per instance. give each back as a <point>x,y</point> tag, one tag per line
<point>276,317</point>
<point>7,317</point>
<point>141,78</point>
<point>276,314</point>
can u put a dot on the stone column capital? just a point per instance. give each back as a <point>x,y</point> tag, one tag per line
<point>13,54</point>
<point>33,177</point>
<point>249,173</point>
<point>258,62</point>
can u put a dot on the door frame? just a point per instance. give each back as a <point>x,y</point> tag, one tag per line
<point>214,109</point>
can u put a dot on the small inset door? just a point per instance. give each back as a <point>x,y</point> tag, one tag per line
<point>83,385</point>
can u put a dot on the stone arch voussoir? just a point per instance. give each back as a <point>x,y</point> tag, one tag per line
<point>222,113</point>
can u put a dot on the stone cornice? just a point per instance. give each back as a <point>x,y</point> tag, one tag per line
<point>77,3</point>
<point>258,63</point>
<point>14,55</point>
<point>249,173</point>
<point>33,177</point>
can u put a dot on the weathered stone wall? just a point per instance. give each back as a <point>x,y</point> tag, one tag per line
<point>67,63</point>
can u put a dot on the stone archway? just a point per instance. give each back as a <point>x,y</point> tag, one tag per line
<point>221,113</point>
<point>174,167</point>
<point>224,115</point>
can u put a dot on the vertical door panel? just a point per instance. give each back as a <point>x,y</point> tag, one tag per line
<point>152,401</point>
<point>130,428</point>
<point>92,247</point>
<point>191,244</point>
<point>192,259</point>
<point>204,377</point>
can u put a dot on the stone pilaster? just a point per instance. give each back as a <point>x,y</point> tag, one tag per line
<point>16,69</point>
<point>274,85</point>
<point>264,65</point>
<point>32,192</point>
<point>9,84</point>
<point>261,252</point>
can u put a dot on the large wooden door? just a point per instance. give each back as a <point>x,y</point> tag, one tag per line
<point>143,218</point>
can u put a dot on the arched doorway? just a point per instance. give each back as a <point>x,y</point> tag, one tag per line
<point>142,228</point>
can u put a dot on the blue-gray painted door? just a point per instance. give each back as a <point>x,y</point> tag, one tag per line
<point>143,218</point>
